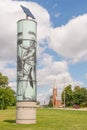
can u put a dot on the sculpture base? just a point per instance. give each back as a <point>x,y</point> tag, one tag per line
<point>25,112</point>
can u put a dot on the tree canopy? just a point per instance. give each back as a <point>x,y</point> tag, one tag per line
<point>3,80</point>
<point>76,96</point>
<point>7,95</point>
<point>68,95</point>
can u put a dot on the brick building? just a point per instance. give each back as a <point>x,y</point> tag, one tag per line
<point>56,102</point>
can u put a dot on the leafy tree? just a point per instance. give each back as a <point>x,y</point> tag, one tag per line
<point>50,104</point>
<point>3,80</point>
<point>68,95</point>
<point>7,95</point>
<point>80,95</point>
<point>84,97</point>
<point>77,97</point>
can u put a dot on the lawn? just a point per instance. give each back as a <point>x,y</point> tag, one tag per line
<point>47,119</point>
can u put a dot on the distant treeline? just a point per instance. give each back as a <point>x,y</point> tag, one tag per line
<point>75,96</point>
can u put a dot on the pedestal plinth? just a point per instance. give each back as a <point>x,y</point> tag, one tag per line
<point>26,112</point>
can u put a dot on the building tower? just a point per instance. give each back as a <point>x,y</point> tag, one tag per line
<point>55,97</point>
<point>26,69</point>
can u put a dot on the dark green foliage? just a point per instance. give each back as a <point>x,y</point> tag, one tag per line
<point>80,95</point>
<point>68,95</point>
<point>7,95</point>
<point>50,102</point>
<point>77,96</point>
<point>3,80</point>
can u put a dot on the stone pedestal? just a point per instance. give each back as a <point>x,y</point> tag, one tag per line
<point>26,112</point>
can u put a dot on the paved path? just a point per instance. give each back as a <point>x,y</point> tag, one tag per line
<point>82,109</point>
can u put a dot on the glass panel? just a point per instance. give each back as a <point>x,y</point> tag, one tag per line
<point>20,30</point>
<point>29,30</point>
<point>26,61</point>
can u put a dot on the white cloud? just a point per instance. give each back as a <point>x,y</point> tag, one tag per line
<point>44,97</point>
<point>6,69</point>
<point>52,70</point>
<point>13,85</point>
<point>10,13</point>
<point>70,40</point>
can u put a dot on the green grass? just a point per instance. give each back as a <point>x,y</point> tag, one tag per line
<point>47,119</point>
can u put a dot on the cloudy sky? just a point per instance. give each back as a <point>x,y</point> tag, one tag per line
<point>61,42</point>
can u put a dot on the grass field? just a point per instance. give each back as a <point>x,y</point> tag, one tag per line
<point>47,119</point>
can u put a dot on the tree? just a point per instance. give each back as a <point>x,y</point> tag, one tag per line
<point>80,95</point>
<point>7,95</point>
<point>84,97</point>
<point>68,95</point>
<point>3,80</point>
<point>50,104</point>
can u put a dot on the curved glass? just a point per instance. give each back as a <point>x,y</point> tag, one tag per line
<point>26,60</point>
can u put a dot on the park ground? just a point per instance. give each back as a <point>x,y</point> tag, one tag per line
<point>47,119</point>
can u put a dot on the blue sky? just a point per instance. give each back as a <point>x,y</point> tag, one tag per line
<point>61,47</point>
<point>61,11</point>
<point>65,9</point>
